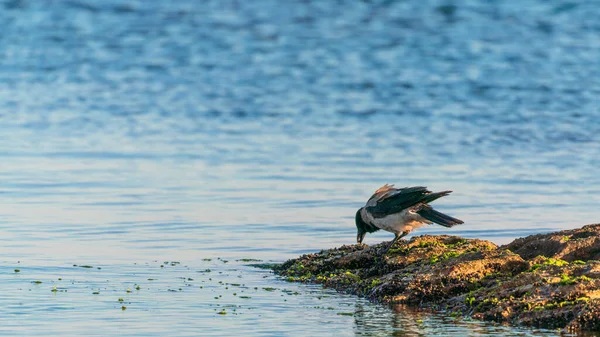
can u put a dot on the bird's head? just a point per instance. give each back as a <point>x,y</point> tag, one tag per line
<point>361,227</point>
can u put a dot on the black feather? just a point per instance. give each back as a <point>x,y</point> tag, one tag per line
<point>434,196</point>
<point>439,218</point>
<point>362,226</point>
<point>399,200</point>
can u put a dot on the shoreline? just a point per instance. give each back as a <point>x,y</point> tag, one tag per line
<point>549,281</point>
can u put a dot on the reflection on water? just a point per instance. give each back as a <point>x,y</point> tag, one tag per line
<point>139,133</point>
<point>404,321</point>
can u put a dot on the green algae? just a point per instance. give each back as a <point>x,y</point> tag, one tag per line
<point>456,244</point>
<point>269,266</point>
<point>248,260</point>
<point>427,244</point>
<point>555,262</point>
<point>351,277</point>
<point>470,300</point>
<point>345,314</point>
<point>569,279</point>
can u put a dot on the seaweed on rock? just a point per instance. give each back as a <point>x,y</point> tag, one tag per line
<point>545,280</point>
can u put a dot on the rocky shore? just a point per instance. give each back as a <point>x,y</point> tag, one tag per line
<point>545,280</point>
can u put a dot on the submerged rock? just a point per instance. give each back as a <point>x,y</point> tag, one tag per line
<point>546,280</point>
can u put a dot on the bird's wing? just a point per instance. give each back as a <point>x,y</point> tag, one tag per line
<point>380,194</point>
<point>389,200</point>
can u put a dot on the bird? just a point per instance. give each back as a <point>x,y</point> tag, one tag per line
<point>400,210</point>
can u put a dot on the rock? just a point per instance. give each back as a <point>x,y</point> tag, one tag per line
<point>546,280</point>
<point>570,245</point>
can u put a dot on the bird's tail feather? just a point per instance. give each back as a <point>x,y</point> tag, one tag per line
<point>439,218</point>
<point>434,196</point>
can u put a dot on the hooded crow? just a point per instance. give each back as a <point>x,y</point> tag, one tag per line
<point>400,210</point>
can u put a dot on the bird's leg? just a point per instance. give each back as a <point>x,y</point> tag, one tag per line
<point>403,234</point>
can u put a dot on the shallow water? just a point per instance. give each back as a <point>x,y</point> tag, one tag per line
<point>146,132</point>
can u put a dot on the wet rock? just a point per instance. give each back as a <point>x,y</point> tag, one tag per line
<point>547,280</point>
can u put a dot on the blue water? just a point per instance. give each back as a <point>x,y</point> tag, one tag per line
<point>142,132</point>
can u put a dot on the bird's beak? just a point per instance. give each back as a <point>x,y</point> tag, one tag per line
<point>360,236</point>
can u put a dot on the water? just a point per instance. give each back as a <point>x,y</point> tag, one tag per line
<point>143,132</point>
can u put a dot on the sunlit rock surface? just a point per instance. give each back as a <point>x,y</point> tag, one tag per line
<point>545,280</point>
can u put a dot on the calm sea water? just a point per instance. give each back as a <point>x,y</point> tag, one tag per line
<point>164,143</point>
